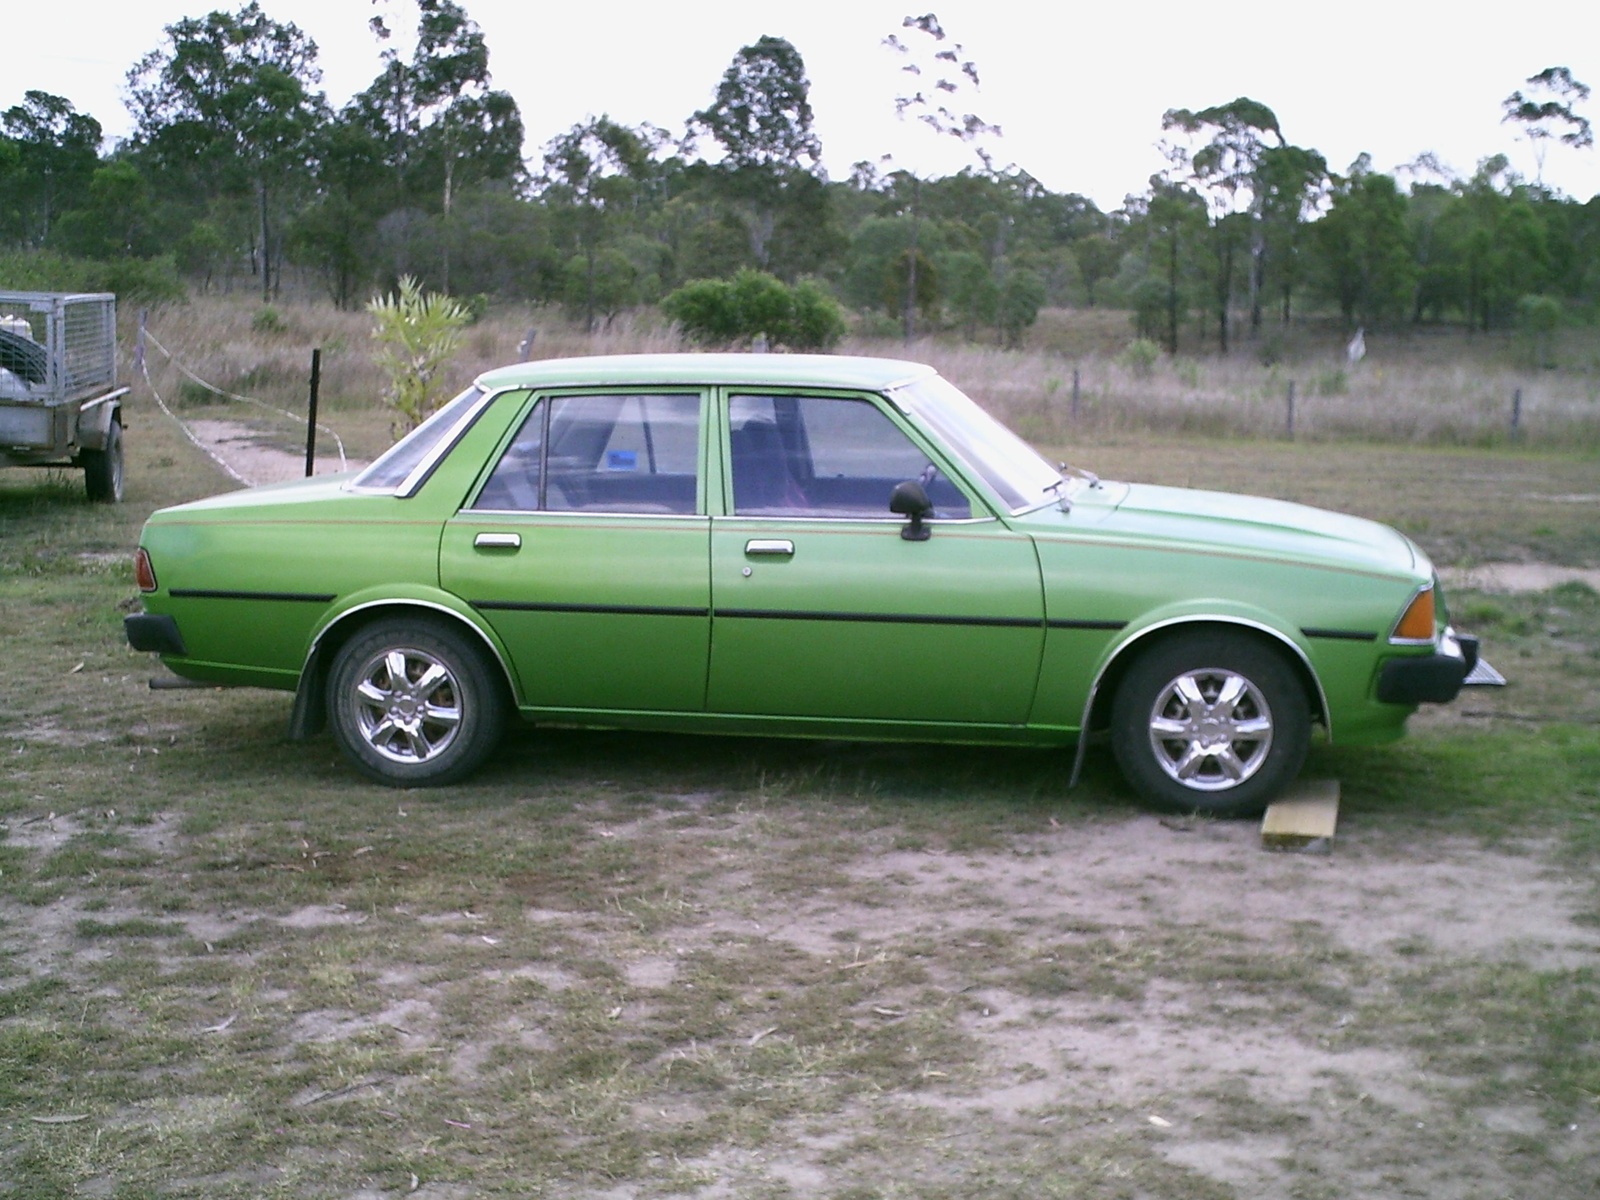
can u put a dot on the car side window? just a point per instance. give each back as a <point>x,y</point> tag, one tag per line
<point>623,453</point>
<point>824,456</point>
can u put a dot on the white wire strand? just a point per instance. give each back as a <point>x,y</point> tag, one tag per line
<point>189,433</point>
<point>344,463</point>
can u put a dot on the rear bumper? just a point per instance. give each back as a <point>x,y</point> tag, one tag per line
<point>1431,678</point>
<point>155,633</point>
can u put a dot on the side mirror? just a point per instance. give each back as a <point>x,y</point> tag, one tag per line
<point>909,499</point>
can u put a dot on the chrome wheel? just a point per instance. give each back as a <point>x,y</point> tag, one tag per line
<point>408,706</point>
<point>1210,720</point>
<point>1210,729</point>
<point>416,702</point>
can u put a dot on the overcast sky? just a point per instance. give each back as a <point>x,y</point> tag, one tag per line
<point>1078,89</point>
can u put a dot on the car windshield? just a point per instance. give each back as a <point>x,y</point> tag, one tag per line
<point>397,463</point>
<point>1001,459</point>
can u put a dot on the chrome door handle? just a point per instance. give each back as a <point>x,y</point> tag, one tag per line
<point>780,547</point>
<point>498,541</point>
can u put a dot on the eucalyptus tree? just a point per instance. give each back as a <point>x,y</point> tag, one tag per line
<point>1099,256</point>
<point>771,159</point>
<point>1291,184</point>
<point>594,175</point>
<point>1225,168</point>
<point>1546,113</point>
<point>227,104</point>
<point>335,231</point>
<point>56,151</point>
<point>1168,228</point>
<point>442,125</point>
<point>1364,256</point>
<point>942,78</point>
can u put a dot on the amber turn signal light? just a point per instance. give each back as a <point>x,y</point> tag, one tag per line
<point>1416,623</point>
<point>144,573</point>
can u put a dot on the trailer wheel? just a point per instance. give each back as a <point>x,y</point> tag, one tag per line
<point>102,469</point>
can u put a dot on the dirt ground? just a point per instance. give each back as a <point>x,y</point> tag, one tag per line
<point>1124,991</point>
<point>255,456</point>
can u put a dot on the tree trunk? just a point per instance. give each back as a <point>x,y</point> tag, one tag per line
<point>266,245</point>
<point>909,313</point>
<point>1258,272</point>
<point>759,227</point>
<point>1172,293</point>
<point>449,173</point>
<point>1224,294</point>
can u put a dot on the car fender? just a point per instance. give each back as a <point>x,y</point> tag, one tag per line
<point>309,714</point>
<point>1137,634</point>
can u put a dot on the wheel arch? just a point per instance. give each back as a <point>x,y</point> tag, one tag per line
<point>309,716</point>
<point>95,417</point>
<point>1097,707</point>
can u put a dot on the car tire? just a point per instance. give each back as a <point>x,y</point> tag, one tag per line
<point>102,469</point>
<point>1211,722</point>
<point>415,702</point>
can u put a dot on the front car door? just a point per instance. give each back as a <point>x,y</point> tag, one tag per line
<point>586,548</point>
<point>822,610</point>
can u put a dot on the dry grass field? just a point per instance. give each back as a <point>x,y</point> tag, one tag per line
<point>1426,388</point>
<point>616,966</point>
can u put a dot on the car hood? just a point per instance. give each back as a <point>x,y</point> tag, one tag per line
<point>1226,522</point>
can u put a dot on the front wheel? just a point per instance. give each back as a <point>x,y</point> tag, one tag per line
<point>415,703</point>
<point>1210,722</point>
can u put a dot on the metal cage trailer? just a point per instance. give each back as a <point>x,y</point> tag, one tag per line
<point>60,403</point>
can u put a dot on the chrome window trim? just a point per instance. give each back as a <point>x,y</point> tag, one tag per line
<point>408,486</point>
<point>993,520</point>
<point>412,483</point>
<point>469,514</point>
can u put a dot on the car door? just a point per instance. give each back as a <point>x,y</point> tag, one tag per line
<point>586,548</point>
<point>822,610</point>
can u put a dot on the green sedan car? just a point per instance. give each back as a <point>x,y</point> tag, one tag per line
<point>791,545</point>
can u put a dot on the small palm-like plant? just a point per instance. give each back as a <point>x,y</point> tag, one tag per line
<point>417,333</point>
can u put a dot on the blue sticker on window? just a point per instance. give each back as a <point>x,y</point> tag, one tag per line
<point>622,460</point>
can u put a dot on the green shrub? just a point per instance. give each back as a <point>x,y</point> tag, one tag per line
<point>267,320</point>
<point>133,280</point>
<point>1021,297</point>
<point>1140,357</point>
<point>753,305</point>
<point>818,319</point>
<point>1332,383</point>
<point>1538,318</point>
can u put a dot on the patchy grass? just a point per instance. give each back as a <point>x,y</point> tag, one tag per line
<point>617,964</point>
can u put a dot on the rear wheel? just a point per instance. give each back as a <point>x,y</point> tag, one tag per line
<point>415,703</point>
<point>102,469</point>
<point>1210,722</point>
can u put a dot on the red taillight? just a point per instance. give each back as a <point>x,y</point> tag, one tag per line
<point>143,573</point>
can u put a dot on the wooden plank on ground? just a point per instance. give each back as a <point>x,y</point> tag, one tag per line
<point>1305,819</point>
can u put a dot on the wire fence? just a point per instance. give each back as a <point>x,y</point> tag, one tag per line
<point>148,339</point>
